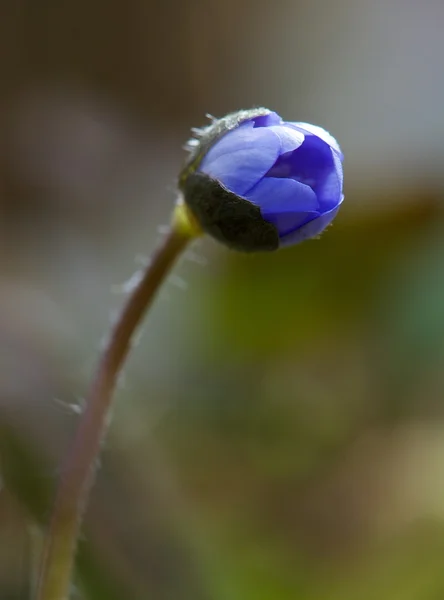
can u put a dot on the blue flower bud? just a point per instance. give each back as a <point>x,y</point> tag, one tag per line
<point>256,182</point>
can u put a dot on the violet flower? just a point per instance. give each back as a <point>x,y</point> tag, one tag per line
<point>256,182</point>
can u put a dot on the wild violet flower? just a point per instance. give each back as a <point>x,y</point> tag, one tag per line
<point>256,182</point>
<point>252,181</point>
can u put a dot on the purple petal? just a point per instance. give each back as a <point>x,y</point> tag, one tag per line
<point>321,133</point>
<point>274,195</point>
<point>338,168</point>
<point>290,138</point>
<point>287,222</point>
<point>330,190</point>
<point>242,157</point>
<point>312,164</point>
<point>267,120</point>
<point>310,229</point>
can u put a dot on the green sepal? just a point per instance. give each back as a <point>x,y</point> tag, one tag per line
<point>232,220</point>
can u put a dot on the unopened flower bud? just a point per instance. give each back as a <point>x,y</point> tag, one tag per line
<point>255,182</point>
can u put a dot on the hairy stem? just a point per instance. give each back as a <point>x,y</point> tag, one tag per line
<point>78,471</point>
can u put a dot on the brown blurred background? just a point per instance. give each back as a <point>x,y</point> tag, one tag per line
<point>279,432</point>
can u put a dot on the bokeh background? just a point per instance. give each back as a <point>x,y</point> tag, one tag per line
<point>279,429</point>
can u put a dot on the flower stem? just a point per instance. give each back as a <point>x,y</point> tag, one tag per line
<point>78,471</point>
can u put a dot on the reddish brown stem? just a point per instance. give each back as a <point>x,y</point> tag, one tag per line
<point>78,472</point>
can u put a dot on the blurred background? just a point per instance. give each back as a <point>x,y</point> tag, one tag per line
<point>279,429</point>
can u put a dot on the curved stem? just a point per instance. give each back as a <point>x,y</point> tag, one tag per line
<point>79,469</point>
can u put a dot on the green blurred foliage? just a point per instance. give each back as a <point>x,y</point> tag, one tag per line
<point>271,473</point>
